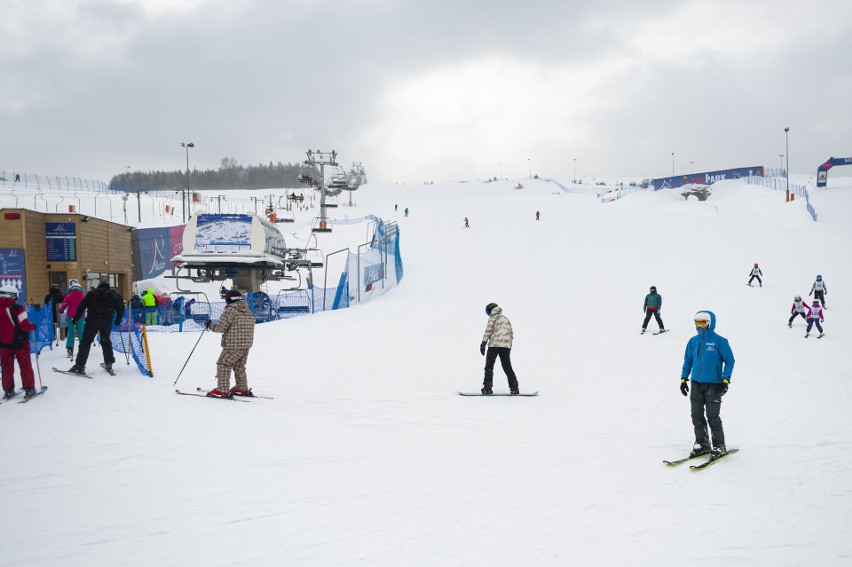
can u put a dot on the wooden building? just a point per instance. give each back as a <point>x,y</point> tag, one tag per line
<point>63,246</point>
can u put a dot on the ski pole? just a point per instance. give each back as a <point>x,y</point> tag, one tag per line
<point>190,356</point>
<point>38,369</point>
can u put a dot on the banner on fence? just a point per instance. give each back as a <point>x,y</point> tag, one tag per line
<point>154,247</point>
<point>707,177</point>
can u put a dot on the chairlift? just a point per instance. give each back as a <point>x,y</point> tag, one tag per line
<point>331,201</point>
<point>321,225</point>
<point>283,215</point>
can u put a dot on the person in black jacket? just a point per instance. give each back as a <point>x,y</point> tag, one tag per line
<point>105,308</point>
<point>54,295</point>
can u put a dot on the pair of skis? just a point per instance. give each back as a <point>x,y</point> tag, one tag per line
<point>713,460</point>
<point>103,365</point>
<point>660,332</point>
<point>202,393</point>
<point>25,400</point>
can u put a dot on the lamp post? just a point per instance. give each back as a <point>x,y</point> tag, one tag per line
<point>185,195</point>
<point>530,162</point>
<point>672,164</point>
<point>787,149</point>
<point>574,180</point>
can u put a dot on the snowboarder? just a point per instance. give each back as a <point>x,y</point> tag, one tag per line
<point>815,315</point>
<point>69,305</point>
<point>653,306</point>
<point>15,327</point>
<point>710,361</point>
<point>819,290</point>
<point>103,308</point>
<point>537,215</point>
<point>755,273</point>
<point>799,308</point>
<point>466,223</point>
<point>498,337</point>
<point>237,327</point>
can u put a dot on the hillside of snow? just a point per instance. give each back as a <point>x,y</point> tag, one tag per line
<point>366,455</point>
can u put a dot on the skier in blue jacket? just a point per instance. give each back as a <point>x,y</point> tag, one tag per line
<point>710,361</point>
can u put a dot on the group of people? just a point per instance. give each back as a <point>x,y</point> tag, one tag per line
<point>812,314</point>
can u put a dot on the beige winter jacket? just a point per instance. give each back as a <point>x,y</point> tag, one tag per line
<point>498,330</point>
<point>236,325</point>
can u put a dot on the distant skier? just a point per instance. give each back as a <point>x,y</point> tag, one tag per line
<point>103,308</point>
<point>15,327</point>
<point>815,316</point>
<point>406,211</point>
<point>710,361</point>
<point>819,290</point>
<point>237,327</point>
<point>537,215</point>
<point>498,337</point>
<point>799,308</point>
<point>755,273</point>
<point>466,223</point>
<point>653,306</point>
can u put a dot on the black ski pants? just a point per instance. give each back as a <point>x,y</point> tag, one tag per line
<point>490,358</point>
<point>92,328</point>
<point>705,397</point>
<point>821,296</point>
<point>751,279</point>
<point>656,314</point>
<point>794,315</point>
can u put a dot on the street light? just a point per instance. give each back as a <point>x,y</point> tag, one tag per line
<point>787,149</point>
<point>575,171</point>
<point>672,164</point>
<point>185,196</point>
<point>530,161</point>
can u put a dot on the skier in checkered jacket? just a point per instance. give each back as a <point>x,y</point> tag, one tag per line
<point>237,327</point>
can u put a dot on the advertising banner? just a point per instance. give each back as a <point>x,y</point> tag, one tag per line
<point>822,170</point>
<point>153,248</point>
<point>707,177</point>
<point>223,233</point>
<point>13,271</point>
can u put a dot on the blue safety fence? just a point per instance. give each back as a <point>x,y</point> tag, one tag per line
<point>373,270</point>
<point>45,333</point>
<point>780,184</point>
<point>130,338</point>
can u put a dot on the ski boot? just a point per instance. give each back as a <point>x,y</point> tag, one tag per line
<point>643,331</point>
<point>70,352</point>
<point>699,449</point>
<point>77,369</point>
<point>807,335</point>
<point>29,393</point>
<point>514,391</point>
<point>790,325</point>
<point>9,394</point>
<point>486,390</point>
<point>718,451</point>
<point>245,392</point>
<point>217,393</point>
<point>821,335</point>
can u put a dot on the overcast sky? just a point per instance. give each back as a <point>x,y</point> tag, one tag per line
<point>425,89</point>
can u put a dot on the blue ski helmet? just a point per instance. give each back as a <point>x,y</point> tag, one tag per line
<point>819,276</point>
<point>489,307</point>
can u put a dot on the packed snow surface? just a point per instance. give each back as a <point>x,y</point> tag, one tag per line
<point>366,455</point>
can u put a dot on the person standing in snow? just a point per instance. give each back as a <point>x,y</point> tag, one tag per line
<point>815,315</point>
<point>103,308</point>
<point>653,306</point>
<point>69,305</point>
<point>537,215</point>
<point>15,327</point>
<point>466,223</point>
<point>819,290</point>
<point>498,338</point>
<point>237,327</point>
<point>799,308</point>
<point>755,273</point>
<point>709,360</point>
<point>53,299</point>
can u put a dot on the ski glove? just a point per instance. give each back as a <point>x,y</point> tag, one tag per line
<point>207,323</point>
<point>723,387</point>
<point>117,322</point>
<point>482,348</point>
<point>684,386</point>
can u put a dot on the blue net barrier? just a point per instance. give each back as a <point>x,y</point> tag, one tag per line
<point>45,333</point>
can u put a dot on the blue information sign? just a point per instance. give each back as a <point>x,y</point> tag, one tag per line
<point>13,271</point>
<point>61,241</point>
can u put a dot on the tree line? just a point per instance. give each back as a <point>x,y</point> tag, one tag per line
<point>230,175</point>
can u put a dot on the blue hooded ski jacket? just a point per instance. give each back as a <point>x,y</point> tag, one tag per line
<point>708,357</point>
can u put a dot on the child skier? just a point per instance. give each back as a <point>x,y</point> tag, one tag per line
<point>819,290</point>
<point>799,308</point>
<point>15,343</point>
<point>755,273</point>
<point>815,315</point>
<point>653,306</point>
